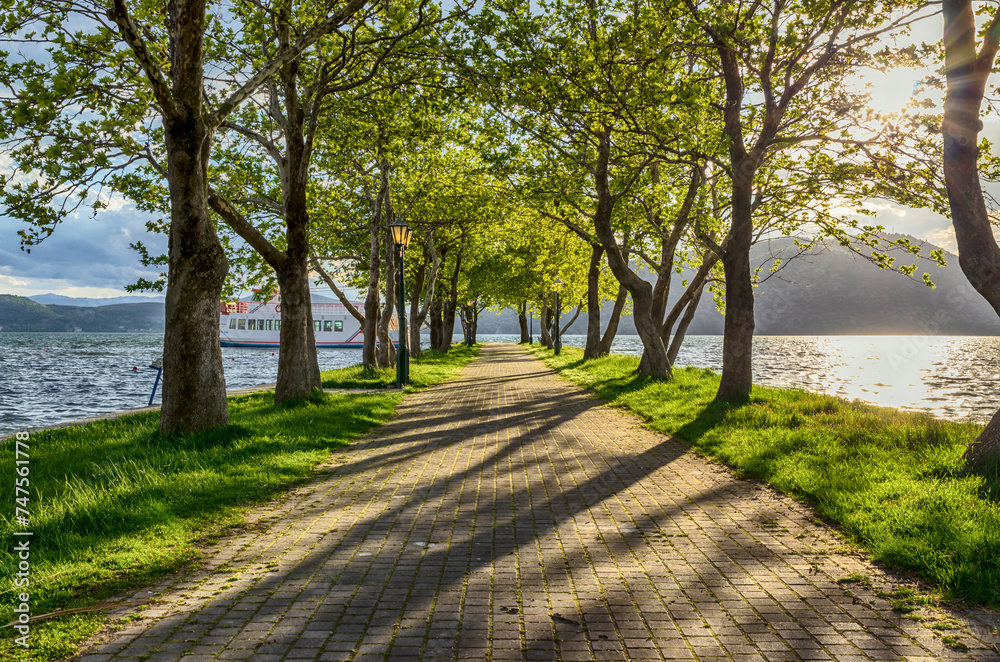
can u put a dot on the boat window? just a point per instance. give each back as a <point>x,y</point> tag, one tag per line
<point>270,323</point>
<point>242,324</point>
<point>327,325</point>
<point>317,324</point>
<point>251,325</point>
<point>232,323</point>
<point>277,325</point>
<point>260,325</point>
<point>338,326</point>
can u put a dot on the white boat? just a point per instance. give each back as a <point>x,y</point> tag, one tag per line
<point>258,324</point>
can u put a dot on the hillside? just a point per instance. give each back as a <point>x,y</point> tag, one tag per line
<point>23,314</point>
<point>834,292</point>
<point>87,302</point>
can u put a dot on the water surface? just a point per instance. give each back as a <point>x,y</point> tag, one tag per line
<point>48,378</point>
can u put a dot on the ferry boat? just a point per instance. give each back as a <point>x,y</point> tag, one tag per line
<point>258,324</point>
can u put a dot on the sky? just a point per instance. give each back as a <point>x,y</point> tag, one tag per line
<point>90,257</point>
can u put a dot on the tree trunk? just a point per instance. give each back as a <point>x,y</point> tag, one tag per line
<point>437,323</point>
<point>448,309</point>
<point>616,315</point>
<point>475,324</point>
<point>466,321</point>
<point>194,386</point>
<point>385,351</point>
<point>415,321</point>
<point>572,320</point>
<point>678,340</point>
<point>657,365</point>
<point>544,324</point>
<point>298,366</point>
<point>737,339</point>
<point>369,356</point>
<point>593,347</point>
<point>967,73</point>
<point>522,320</point>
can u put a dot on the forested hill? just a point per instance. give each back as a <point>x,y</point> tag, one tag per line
<point>834,292</point>
<point>831,292</point>
<point>22,314</point>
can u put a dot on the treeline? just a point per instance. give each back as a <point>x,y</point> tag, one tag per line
<point>540,151</point>
<point>22,314</point>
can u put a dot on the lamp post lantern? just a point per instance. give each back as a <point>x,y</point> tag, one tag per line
<point>401,233</point>
<point>557,345</point>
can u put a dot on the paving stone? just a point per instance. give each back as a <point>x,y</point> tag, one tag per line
<point>509,515</point>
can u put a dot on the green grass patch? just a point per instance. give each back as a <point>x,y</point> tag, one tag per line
<point>892,480</point>
<point>115,505</point>
<point>432,368</point>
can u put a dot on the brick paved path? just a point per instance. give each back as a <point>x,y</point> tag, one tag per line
<point>508,515</point>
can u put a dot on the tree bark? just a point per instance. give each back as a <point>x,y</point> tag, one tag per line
<point>737,339</point>
<point>544,324</point>
<point>418,311</point>
<point>593,347</point>
<point>657,365</point>
<point>967,73</point>
<point>449,307</point>
<point>414,330</point>
<point>369,357</point>
<point>522,320</point>
<point>616,315</point>
<point>298,366</point>
<point>576,316</point>
<point>437,322</point>
<point>194,386</point>
<point>386,354</point>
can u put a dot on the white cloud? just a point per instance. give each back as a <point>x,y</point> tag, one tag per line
<point>27,287</point>
<point>943,237</point>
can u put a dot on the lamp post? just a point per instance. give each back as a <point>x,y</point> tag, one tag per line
<point>401,233</point>
<point>557,345</point>
<point>468,322</point>
<point>531,326</point>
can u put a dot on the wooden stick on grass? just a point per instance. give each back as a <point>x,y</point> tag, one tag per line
<point>79,610</point>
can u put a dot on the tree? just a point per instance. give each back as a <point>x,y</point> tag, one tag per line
<point>565,76</point>
<point>92,78</point>
<point>968,66</point>
<point>782,67</point>
<point>291,113</point>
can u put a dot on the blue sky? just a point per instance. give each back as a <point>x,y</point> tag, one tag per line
<point>85,257</point>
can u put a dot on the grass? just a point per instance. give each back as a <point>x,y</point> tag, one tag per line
<point>892,480</point>
<point>115,505</point>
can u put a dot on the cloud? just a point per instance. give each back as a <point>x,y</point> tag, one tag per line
<point>85,252</point>
<point>945,238</point>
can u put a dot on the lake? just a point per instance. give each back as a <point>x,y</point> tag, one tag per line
<point>47,378</point>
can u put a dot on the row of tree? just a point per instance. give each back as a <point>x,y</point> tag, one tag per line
<point>525,142</point>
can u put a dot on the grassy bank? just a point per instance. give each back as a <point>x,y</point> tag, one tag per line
<point>116,505</point>
<point>888,478</point>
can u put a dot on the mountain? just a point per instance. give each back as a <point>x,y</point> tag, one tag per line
<point>831,291</point>
<point>58,299</point>
<point>23,314</point>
